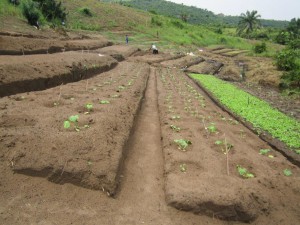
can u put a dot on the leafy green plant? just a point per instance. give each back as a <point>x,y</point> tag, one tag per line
<point>89,107</point>
<point>244,172</point>
<point>104,102</point>
<point>287,172</point>
<point>258,112</point>
<point>175,128</point>
<point>286,60</point>
<point>212,128</point>
<point>72,120</point>
<point>182,144</point>
<point>264,151</point>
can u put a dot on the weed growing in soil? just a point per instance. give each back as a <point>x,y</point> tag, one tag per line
<point>244,172</point>
<point>212,128</point>
<point>264,151</point>
<point>182,144</point>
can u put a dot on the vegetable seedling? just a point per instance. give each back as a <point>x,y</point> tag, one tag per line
<point>89,107</point>
<point>212,128</point>
<point>176,117</point>
<point>104,102</point>
<point>72,120</point>
<point>175,128</point>
<point>182,144</point>
<point>287,172</point>
<point>264,151</point>
<point>182,167</point>
<point>244,172</point>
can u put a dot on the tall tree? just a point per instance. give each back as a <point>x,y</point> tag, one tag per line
<point>248,22</point>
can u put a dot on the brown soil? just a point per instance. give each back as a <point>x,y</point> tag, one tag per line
<point>126,149</point>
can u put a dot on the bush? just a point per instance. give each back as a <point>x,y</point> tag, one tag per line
<point>86,11</point>
<point>52,10</point>
<point>291,79</point>
<point>178,24</point>
<point>260,48</point>
<point>156,21</point>
<point>30,11</point>
<point>283,37</point>
<point>286,60</point>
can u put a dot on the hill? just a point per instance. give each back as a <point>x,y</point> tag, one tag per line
<point>194,15</point>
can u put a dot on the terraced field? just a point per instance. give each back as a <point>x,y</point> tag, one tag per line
<point>110,134</point>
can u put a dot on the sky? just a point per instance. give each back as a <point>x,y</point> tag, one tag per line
<point>268,9</point>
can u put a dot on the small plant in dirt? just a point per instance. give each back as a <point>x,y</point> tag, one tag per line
<point>287,172</point>
<point>175,128</point>
<point>115,96</point>
<point>183,167</point>
<point>175,117</point>
<point>121,88</point>
<point>89,107</point>
<point>244,172</point>
<point>104,102</point>
<point>72,122</point>
<point>265,152</point>
<point>225,146</point>
<point>182,144</point>
<point>212,128</point>
<point>86,11</point>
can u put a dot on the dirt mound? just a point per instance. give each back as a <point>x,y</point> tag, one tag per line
<point>90,152</point>
<point>45,71</point>
<point>183,62</point>
<point>148,57</point>
<point>206,67</point>
<point>118,52</point>
<point>19,45</point>
<point>200,177</point>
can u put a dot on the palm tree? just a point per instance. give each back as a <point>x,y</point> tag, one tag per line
<point>248,22</point>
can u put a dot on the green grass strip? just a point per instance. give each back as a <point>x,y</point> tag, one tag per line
<point>254,110</point>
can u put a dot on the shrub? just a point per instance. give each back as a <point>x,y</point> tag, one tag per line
<point>52,10</point>
<point>156,21</point>
<point>283,37</point>
<point>86,11</point>
<point>286,60</point>
<point>260,48</point>
<point>30,11</point>
<point>178,24</point>
<point>291,79</point>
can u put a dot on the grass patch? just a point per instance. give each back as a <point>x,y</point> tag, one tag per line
<point>254,110</point>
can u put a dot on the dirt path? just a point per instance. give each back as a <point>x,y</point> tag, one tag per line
<point>143,172</point>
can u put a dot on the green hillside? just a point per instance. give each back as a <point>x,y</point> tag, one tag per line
<point>194,15</point>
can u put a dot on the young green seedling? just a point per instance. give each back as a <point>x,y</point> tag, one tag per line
<point>89,107</point>
<point>182,167</point>
<point>175,128</point>
<point>72,120</point>
<point>176,117</point>
<point>244,172</point>
<point>182,144</point>
<point>287,172</point>
<point>104,102</point>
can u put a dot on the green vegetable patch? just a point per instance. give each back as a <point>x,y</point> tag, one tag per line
<point>254,110</point>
